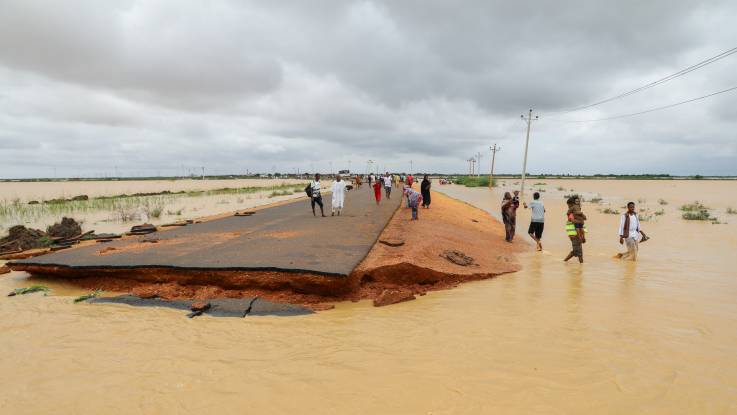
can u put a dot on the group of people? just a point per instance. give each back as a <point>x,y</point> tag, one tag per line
<point>339,187</point>
<point>630,233</point>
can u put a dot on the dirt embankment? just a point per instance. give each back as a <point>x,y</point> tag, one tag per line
<point>452,242</point>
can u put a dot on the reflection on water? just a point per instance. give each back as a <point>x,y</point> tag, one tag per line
<point>607,336</point>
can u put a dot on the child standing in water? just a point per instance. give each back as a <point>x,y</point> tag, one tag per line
<point>576,216</point>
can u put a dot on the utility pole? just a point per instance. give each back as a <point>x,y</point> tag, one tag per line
<point>527,142</point>
<point>478,157</point>
<point>203,172</point>
<point>493,149</point>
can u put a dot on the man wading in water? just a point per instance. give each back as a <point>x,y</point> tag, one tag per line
<point>315,196</point>
<point>630,233</point>
<point>537,222</point>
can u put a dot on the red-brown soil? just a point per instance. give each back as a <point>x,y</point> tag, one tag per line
<point>388,273</point>
<point>419,264</point>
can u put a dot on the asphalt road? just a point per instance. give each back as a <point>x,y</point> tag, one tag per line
<point>280,238</point>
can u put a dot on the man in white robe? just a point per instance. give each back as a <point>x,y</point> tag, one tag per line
<point>338,195</point>
<point>630,233</point>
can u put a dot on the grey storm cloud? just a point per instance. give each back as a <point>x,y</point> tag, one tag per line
<point>234,85</point>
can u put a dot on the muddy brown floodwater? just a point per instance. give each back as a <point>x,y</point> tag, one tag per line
<point>657,336</point>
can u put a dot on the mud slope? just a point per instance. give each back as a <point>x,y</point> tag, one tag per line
<point>420,263</point>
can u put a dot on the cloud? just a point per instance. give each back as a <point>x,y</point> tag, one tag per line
<point>233,85</point>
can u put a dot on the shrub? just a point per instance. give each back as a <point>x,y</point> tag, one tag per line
<point>475,181</point>
<point>610,211</point>
<point>694,207</point>
<point>701,214</point>
<point>662,202</point>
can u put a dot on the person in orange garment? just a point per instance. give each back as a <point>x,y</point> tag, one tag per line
<point>377,190</point>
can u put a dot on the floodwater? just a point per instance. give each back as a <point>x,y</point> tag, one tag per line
<point>118,216</point>
<point>657,336</point>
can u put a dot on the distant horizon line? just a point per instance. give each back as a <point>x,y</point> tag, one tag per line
<point>654,176</point>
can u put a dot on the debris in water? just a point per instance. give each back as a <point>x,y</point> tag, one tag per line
<point>144,229</point>
<point>68,228</point>
<point>247,213</point>
<point>388,297</point>
<point>458,258</point>
<point>28,290</point>
<point>86,297</point>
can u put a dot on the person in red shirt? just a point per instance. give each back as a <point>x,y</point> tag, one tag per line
<point>410,180</point>
<point>377,190</point>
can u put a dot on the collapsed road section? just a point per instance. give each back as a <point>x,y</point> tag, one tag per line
<point>278,248</point>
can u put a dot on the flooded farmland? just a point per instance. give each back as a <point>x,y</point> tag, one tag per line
<point>657,336</point>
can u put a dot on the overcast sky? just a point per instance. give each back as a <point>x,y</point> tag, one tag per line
<point>169,86</point>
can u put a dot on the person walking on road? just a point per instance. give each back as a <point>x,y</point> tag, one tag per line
<point>377,191</point>
<point>338,195</point>
<point>410,180</point>
<point>573,234</point>
<point>425,190</point>
<point>387,179</point>
<point>537,222</point>
<point>315,196</point>
<point>371,179</point>
<point>630,233</point>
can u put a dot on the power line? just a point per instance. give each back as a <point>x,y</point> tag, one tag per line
<point>661,80</point>
<point>656,108</point>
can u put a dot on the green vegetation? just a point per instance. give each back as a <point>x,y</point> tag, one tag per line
<point>85,297</point>
<point>610,211</point>
<point>692,207</point>
<point>698,215</point>
<point>731,211</point>
<point>475,181</point>
<point>595,200</point>
<point>697,211</point>
<point>123,207</point>
<point>662,202</point>
<point>280,193</point>
<point>28,290</point>
<point>660,212</point>
<point>540,184</point>
<point>561,189</point>
<point>156,212</point>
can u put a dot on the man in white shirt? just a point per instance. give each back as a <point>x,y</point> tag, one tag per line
<point>315,196</point>
<point>387,179</point>
<point>630,233</point>
<point>537,222</point>
<point>338,195</point>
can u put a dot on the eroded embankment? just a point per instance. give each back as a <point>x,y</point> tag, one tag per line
<point>420,263</point>
<point>415,261</point>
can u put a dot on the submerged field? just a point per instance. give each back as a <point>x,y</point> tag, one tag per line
<point>115,206</point>
<point>657,336</point>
